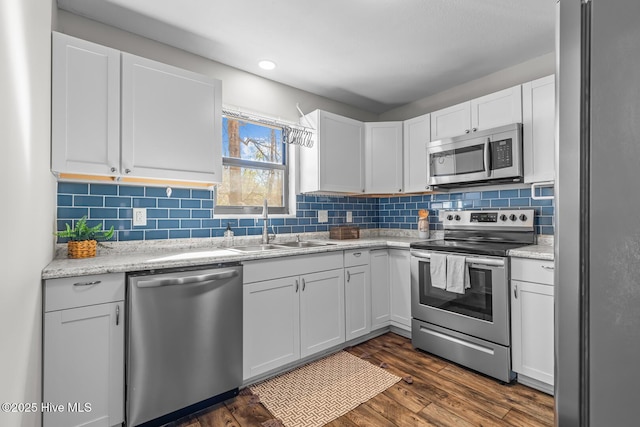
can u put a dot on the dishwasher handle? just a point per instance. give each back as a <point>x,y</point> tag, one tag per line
<point>174,281</point>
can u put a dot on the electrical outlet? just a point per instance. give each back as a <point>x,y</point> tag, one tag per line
<point>139,216</point>
<point>323,216</point>
<point>349,216</point>
<point>441,215</point>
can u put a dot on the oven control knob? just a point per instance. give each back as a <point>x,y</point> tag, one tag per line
<point>457,217</point>
<point>523,217</point>
<point>503,217</point>
<point>449,217</point>
<point>512,217</point>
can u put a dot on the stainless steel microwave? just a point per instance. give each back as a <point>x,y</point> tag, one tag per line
<point>492,155</point>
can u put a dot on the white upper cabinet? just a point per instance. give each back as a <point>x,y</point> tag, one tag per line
<point>171,122</point>
<point>538,111</point>
<point>85,113</point>
<point>383,157</point>
<point>115,114</point>
<point>417,132</point>
<point>451,121</point>
<point>336,160</point>
<point>489,111</point>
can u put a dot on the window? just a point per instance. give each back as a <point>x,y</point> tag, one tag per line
<point>254,161</point>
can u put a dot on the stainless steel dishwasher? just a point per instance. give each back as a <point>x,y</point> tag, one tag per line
<point>184,341</point>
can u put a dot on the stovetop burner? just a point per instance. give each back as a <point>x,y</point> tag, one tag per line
<point>491,233</point>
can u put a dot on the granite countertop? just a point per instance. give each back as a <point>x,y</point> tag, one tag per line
<point>544,252</point>
<point>115,259</point>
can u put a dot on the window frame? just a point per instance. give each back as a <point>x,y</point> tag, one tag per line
<point>253,164</point>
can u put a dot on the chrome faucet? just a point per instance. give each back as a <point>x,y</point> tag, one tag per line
<point>265,218</point>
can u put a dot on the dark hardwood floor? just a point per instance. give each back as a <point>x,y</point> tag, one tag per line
<point>441,394</point>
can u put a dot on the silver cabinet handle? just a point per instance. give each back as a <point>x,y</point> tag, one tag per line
<point>515,291</point>
<point>348,276</point>
<point>466,131</point>
<point>357,254</point>
<point>96,282</point>
<point>127,171</point>
<point>303,284</point>
<point>172,281</point>
<point>117,315</point>
<point>546,267</point>
<point>113,170</point>
<point>474,129</point>
<point>297,285</point>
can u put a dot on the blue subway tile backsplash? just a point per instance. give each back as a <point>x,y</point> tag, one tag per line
<point>188,213</point>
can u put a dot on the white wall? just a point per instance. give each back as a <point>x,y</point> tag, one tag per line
<point>240,90</point>
<point>521,73</point>
<point>28,198</point>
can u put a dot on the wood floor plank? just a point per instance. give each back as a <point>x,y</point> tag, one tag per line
<point>218,416</point>
<point>365,416</point>
<point>247,412</point>
<point>523,398</point>
<point>397,414</point>
<point>518,418</point>
<point>439,416</point>
<point>406,397</point>
<point>470,413</point>
<point>450,387</point>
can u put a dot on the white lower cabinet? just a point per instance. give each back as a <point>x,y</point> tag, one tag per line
<point>400,281</point>
<point>380,289</point>
<point>83,366</point>
<point>271,324</point>
<point>357,293</point>
<point>532,322</point>
<point>293,307</point>
<point>321,311</point>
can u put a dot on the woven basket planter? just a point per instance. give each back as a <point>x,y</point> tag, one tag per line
<point>82,249</point>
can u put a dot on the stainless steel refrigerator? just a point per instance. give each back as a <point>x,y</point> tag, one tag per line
<point>597,308</point>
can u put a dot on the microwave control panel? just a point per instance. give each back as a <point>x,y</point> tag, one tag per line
<point>501,154</point>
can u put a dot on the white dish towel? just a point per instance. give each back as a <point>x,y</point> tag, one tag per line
<point>438,270</point>
<point>457,274</point>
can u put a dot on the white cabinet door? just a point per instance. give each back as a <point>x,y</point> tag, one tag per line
<point>497,109</point>
<point>380,290</point>
<point>417,132</point>
<point>451,121</point>
<point>271,325</point>
<point>84,363</point>
<point>357,296</point>
<point>85,110</point>
<point>400,281</point>
<point>532,330</point>
<point>538,112</point>
<point>383,157</point>
<point>321,311</point>
<point>336,160</point>
<point>171,122</point>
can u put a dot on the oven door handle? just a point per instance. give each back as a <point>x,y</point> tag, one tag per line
<point>490,262</point>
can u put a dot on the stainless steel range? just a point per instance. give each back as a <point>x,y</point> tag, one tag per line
<point>460,288</point>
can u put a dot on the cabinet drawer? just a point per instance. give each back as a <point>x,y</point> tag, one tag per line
<point>532,270</point>
<point>355,257</point>
<point>71,292</point>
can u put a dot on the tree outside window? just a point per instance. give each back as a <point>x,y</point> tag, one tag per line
<point>254,168</point>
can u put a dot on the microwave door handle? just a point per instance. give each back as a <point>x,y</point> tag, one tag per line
<point>487,157</point>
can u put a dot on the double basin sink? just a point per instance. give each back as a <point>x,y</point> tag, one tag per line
<point>279,246</point>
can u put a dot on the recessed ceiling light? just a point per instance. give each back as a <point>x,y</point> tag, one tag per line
<point>265,64</point>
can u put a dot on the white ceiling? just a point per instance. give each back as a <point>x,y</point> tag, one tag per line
<point>372,54</point>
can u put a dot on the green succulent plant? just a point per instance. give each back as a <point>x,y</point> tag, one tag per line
<point>83,232</point>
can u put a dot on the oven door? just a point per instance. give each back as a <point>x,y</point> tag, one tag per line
<point>482,311</point>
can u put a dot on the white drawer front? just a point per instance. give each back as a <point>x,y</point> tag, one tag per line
<point>71,292</point>
<point>532,270</point>
<point>355,257</point>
